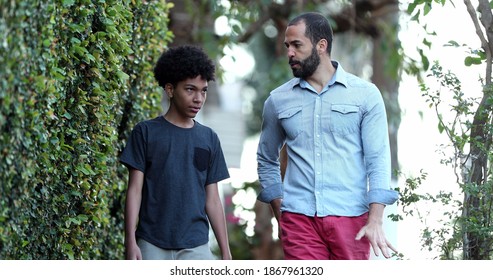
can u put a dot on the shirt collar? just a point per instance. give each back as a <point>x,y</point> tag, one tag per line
<point>340,77</point>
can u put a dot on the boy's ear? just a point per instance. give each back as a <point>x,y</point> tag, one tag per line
<point>169,90</point>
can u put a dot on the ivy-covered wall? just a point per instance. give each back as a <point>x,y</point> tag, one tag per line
<point>75,77</point>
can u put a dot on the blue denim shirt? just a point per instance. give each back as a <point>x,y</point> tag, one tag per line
<point>337,144</point>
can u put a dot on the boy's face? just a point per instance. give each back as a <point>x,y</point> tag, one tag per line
<point>189,96</point>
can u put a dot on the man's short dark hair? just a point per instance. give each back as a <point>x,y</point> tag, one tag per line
<point>184,62</point>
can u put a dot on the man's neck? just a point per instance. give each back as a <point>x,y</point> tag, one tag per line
<point>322,75</point>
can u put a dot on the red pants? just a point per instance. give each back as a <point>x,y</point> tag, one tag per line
<point>323,238</point>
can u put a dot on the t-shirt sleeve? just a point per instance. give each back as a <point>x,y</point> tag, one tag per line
<point>133,155</point>
<point>218,169</point>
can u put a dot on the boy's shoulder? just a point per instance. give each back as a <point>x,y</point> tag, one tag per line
<point>150,122</point>
<point>203,128</point>
<point>160,124</point>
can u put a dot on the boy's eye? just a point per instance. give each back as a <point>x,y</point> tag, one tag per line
<point>193,90</point>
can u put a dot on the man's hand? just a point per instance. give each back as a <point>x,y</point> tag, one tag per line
<point>276,209</point>
<point>377,239</point>
<point>373,230</point>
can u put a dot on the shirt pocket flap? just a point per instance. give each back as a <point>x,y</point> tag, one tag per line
<point>288,113</point>
<point>344,108</point>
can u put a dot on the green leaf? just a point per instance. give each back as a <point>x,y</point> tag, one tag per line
<point>122,75</point>
<point>67,3</point>
<point>452,43</point>
<point>411,7</point>
<point>426,8</point>
<point>46,43</point>
<point>67,115</point>
<point>441,128</point>
<point>469,60</point>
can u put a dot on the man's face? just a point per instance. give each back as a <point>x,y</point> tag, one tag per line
<point>302,54</point>
<point>307,66</point>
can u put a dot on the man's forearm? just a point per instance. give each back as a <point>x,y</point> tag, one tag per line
<point>376,212</point>
<point>276,207</point>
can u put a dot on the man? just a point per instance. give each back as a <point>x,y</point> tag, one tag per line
<point>330,201</point>
<point>174,165</point>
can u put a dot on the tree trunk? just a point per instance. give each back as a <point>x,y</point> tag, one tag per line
<point>474,242</point>
<point>476,210</point>
<point>386,78</point>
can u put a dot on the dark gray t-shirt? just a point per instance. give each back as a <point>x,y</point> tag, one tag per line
<point>177,164</point>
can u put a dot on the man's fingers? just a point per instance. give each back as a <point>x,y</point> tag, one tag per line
<point>360,234</point>
<point>391,247</point>
<point>384,248</point>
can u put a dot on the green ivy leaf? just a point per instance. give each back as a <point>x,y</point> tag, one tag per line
<point>67,3</point>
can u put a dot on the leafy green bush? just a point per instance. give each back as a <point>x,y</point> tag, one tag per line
<point>75,77</point>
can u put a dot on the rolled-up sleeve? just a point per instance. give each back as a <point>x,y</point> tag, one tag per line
<point>382,196</point>
<point>377,150</point>
<point>270,193</point>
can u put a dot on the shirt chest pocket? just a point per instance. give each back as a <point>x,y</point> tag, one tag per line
<point>292,121</point>
<point>344,119</point>
<point>201,158</point>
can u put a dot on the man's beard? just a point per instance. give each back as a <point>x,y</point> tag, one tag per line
<point>307,66</point>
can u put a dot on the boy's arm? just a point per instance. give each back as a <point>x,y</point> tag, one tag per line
<point>215,212</point>
<point>132,208</point>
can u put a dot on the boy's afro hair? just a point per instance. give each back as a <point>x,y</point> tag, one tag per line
<point>184,62</point>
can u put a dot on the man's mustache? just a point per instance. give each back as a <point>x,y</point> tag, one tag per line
<point>292,61</point>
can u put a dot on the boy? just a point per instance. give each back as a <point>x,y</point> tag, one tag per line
<point>174,165</point>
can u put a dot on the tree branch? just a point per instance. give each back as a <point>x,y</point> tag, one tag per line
<point>484,42</point>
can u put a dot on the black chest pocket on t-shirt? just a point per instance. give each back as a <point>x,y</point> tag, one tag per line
<point>201,158</point>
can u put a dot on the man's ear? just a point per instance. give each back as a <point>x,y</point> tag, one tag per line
<point>322,46</point>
